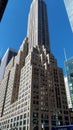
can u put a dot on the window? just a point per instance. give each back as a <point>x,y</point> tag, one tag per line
<point>24,128</point>
<point>66,118</point>
<point>17,123</point>
<point>20,122</point>
<point>24,122</point>
<point>24,115</point>
<point>11,120</point>
<point>35,127</point>
<point>20,116</point>
<point>35,114</point>
<point>14,124</point>
<point>15,119</point>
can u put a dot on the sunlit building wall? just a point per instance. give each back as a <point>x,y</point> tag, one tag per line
<point>69,9</point>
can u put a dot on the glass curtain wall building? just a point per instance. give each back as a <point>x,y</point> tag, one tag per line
<point>69,9</point>
<point>69,71</point>
<point>67,92</point>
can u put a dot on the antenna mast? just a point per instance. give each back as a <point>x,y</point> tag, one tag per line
<point>65,54</point>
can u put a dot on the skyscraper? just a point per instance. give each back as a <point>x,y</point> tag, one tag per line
<point>69,9</point>
<point>38,25</point>
<point>69,71</point>
<point>3,4</point>
<point>5,60</point>
<point>32,92</point>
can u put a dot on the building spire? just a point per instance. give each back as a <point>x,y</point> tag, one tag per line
<point>65,54</point>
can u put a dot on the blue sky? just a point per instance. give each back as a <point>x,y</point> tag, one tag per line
<point>13,27</point>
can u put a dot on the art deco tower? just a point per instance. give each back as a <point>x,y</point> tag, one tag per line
<point>38,25</point>
<point>32,92</point>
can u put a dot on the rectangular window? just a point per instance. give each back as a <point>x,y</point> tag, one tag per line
<point>24,128</point>
<point>24,122</point>
<point>20,122</point>
<point>20,116</point>
<point>25,115</point>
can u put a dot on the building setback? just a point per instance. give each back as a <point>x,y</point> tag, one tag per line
<point>32,93</point>
<point>5,60</point>
<point>3,4</point>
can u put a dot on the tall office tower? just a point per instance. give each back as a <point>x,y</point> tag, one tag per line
<point>32,92</point>
<point>69,71</point>
<point>67,93</point>
<point>3,4</point>
<point>38,25</point>
<point>5,60</point>
<point>69,9</point>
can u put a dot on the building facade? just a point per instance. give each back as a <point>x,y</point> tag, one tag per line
<point>69,9</point>
<point>32,92</point>
<point>3,4</point>
<point>69,71</point>
<point>5,60</point>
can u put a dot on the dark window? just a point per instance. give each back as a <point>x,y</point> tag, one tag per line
<point>65,112</point>
<point>35,114</point>
<point>20,116</point>
<point>24,122</point>
<point>24,115</point>
<point>11,120</point>
<point>15,119</point>
<point>46,128</point>
<point>10,125</point>
<point>17,123</point>
<point>35,128</point>
<point>24,128</point>
<point>14,124</point>
<point>66,118</point>
<point>20,122</point>
<point>60,117</point>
